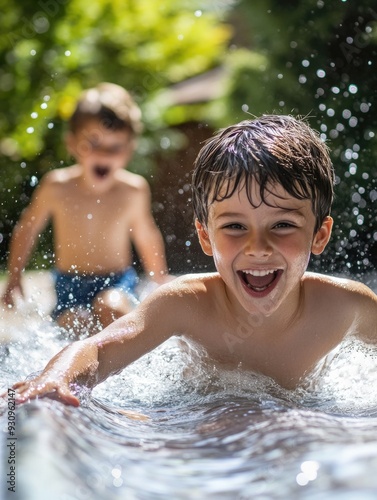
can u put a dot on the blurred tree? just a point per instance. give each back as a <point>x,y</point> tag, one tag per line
<point>51,49</point>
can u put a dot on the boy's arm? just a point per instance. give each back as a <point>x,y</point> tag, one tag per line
<point>163,314</point>
<point>147,237</point>
<point>31,223</point>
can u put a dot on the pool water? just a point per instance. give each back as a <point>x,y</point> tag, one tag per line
<point>175,426</point>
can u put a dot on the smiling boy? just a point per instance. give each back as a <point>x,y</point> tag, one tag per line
<point>97,209</point>
<point>262,193</point>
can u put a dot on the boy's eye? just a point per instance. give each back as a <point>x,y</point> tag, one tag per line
<point>235,226</point>
<point>284,225</point>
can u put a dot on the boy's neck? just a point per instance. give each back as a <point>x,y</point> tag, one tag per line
<point>261,320</point>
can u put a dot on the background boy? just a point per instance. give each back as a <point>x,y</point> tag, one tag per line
<point>97,209</point>
<point>262,196</point>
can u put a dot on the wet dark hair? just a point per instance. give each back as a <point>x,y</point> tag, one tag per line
<point>109,103</point>
<point>272,149</point>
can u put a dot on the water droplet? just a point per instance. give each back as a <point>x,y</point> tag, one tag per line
<point>346,114</point>
<point>302,79</point>
<point>352,168</point>
<point>165,143</point>
<point>30,130</point>
<point>116,472</point>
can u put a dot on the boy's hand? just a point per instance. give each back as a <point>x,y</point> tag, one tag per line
<point>76,362</point>
<point>12,295</point>
<point>42,386</point>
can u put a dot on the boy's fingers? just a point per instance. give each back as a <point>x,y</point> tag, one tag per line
<point>64,396</point>
<point>30,390</point>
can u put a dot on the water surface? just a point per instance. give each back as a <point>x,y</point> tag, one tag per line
<point>175,426</point>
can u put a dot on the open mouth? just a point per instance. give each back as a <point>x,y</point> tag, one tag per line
<point>101,172</point>
<point>260,281</point>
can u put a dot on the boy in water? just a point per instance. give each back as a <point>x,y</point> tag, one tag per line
<point>97,209</point>
<point>262,192</point>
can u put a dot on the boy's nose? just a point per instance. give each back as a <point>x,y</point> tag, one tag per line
<point>258,246</point>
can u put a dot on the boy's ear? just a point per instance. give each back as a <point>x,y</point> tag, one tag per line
<point>203,238</point>
<point>322,236</point>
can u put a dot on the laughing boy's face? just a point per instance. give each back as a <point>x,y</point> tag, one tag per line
<point>100,152</point>
<point>262,251</point>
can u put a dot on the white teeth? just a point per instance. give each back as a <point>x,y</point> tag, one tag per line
<point>259,272</point>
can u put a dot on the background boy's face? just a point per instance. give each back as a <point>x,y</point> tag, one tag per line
<point>100,152</point>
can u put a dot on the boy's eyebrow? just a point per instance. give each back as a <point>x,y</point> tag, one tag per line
<point>295,211</point>
<point>280,210</point>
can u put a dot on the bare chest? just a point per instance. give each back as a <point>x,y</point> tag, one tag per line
<point>88,214</point>
<point>286,356</point>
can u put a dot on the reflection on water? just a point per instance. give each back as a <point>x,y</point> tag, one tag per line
<point>174,426</point>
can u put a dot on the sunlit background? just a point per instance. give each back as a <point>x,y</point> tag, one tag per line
<point>193,66</point>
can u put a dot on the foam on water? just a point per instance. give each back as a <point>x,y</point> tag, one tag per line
<point>174,425</point>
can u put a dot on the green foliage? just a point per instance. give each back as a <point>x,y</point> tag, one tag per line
<point>52,49</point>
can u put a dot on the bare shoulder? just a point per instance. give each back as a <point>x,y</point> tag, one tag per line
<point>62,175</point>
<point>197,287</point>
<point>54,185</point>
<point>183,301</point>
<point>339,287</point>
<point>352,300</point>
<point>133,181</point>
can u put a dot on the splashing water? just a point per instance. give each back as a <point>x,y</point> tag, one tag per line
<point>174,425</point>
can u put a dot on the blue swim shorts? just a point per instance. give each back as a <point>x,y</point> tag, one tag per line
<point>79,290</point>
